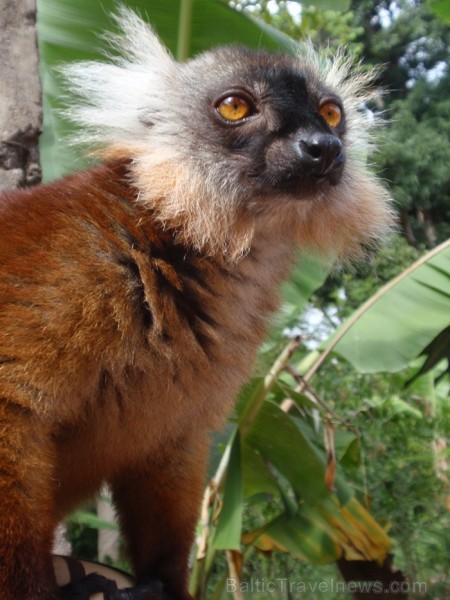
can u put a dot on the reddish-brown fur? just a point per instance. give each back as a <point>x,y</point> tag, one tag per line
<point>119,350</point>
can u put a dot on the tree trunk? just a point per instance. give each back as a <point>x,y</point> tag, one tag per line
<point>425,220</point>
<point>20,95</point>
<point>406,228</point>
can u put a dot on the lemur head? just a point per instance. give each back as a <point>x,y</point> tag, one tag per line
<point>235,141</point>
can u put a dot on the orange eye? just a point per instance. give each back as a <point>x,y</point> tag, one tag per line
<point>331,114</point>
<point>234,108</point>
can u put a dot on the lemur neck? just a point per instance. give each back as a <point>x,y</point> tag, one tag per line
<point>215,222</point>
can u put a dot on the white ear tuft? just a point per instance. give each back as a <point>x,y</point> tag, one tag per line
<point>137,43</point>
<point>114,103</point>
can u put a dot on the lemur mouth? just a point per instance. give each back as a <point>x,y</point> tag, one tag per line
<point>299,185</point>
<point>333,176</point>
<point>304,187</point>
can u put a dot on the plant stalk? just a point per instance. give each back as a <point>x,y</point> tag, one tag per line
<point>184,30</point>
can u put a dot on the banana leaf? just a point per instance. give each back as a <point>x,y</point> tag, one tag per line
<point>401,320</point>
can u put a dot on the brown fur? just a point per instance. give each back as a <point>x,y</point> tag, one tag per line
<point>119,348</point>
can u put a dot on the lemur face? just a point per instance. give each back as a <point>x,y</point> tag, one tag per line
<point>270,119</point>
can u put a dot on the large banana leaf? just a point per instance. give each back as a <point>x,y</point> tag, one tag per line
<point>395,326</point>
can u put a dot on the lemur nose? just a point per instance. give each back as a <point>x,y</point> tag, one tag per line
<point>320,152</point>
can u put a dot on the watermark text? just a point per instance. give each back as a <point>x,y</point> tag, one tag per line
<point>283,585</point>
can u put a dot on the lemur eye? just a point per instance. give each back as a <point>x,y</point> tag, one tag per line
<point>234,108</point>
<point>331,113</point>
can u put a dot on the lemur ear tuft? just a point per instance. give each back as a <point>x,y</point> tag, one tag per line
<point>136,41</point>
<point>113,103</point>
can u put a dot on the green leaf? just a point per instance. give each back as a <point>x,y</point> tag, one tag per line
<point>352,456</point>
<point>344,442</point>
<point>275,436</point>
<point>394,326</point>
<point>84,517</point>
<point>435,352</point>
<point>399,406</point>
<point>229,526</point>
<point>256,474</point>
<point>310,433</point>
<point>424,387</point>
<point>441,8</point>
<point>308,276</point>
<point>282,391</point>
<point>304,536</point>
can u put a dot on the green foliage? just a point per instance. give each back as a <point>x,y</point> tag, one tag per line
<point>82,534</point>
<point>329,28</point>
<point>229,526</point>
<point>406,488</point>
<point>404,432</point>
<point>441,8</point>
<point>411,464</point>
<point>414,158</point>
<point>404,37</point>
<point>413,45</point>
<point>326,23</point>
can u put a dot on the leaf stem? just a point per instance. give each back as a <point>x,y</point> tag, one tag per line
<point>184,30</point>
